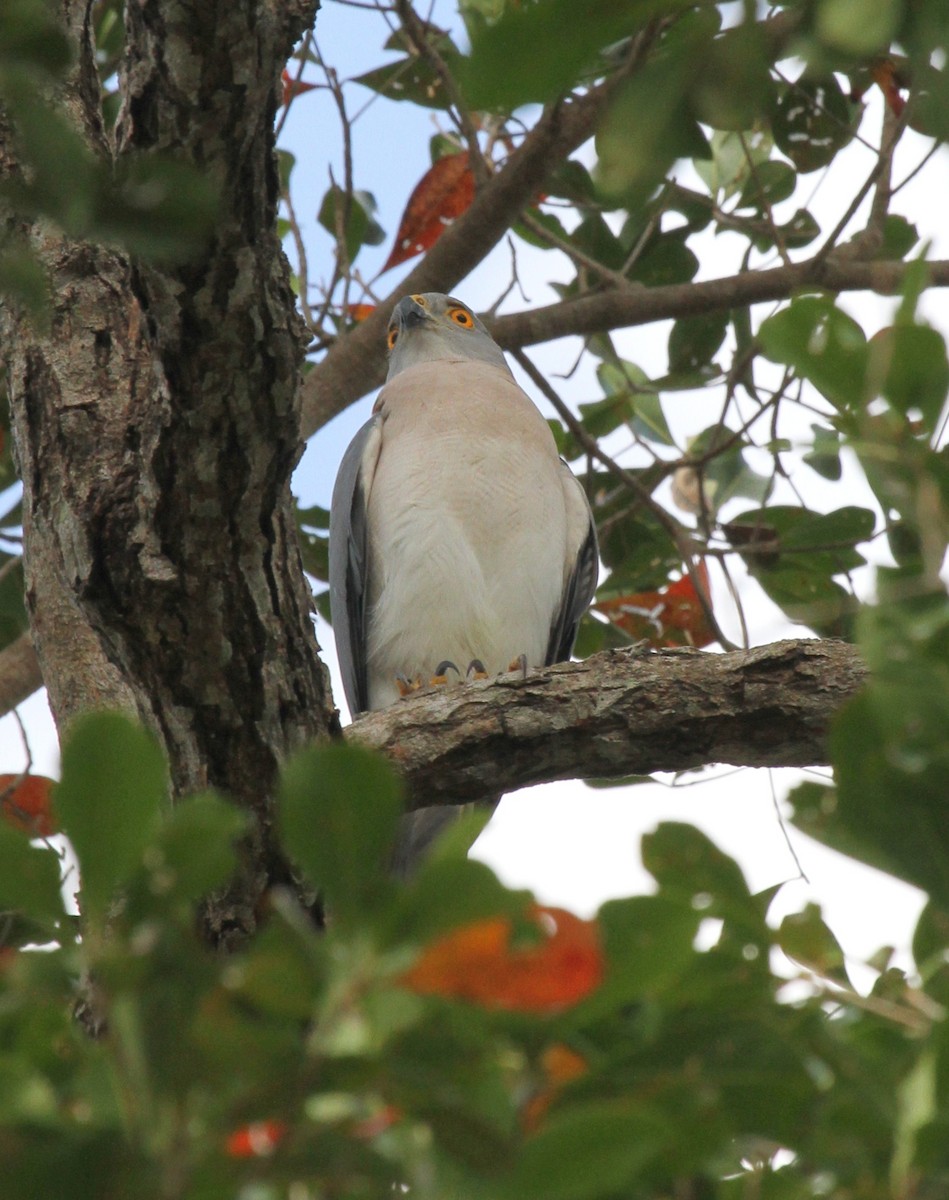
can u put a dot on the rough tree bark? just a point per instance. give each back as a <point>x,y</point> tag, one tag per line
<point>618,713</point>
<point>157,426</point>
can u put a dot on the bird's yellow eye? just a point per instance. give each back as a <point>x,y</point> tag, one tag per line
<point>391,338</point>
<point>462,317</point>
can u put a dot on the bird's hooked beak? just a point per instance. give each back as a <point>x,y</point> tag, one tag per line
<point>411,311</point>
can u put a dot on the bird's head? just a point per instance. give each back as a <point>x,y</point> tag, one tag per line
<point>430,326</point>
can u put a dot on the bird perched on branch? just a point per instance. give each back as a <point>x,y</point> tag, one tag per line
<point>458,537</point>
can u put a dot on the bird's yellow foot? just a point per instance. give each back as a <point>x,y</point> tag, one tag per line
<point>440,678</point>
<point>406,686</point>
<point>519,664</point>
<point>476,670</point>
<point>409,687</point>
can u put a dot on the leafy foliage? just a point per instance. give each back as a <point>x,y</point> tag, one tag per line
<point>447,1035</point>
<point>484,1054</point>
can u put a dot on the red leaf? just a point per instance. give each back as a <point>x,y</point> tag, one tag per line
<point>478,963</point>
<point>25,803</point>
<point>672,616</point>
<point>293,88</point>
<point>444,192</point>
<point>256,1140</point>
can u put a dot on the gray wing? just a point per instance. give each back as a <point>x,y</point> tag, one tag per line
<point>349,568</point>
<point>576,598</point>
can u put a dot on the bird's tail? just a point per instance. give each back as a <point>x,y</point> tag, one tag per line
<point>420,828</point>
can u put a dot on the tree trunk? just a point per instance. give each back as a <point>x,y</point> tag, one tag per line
<point>156,424</point>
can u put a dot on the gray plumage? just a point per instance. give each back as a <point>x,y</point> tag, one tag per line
<point>456,532</point>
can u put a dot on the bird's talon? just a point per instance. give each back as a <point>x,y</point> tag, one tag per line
<point>519,664</point>
<point>476,670</point>
<point>440,678</point>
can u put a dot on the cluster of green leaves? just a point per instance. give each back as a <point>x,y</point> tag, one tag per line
<point>304,1061</point>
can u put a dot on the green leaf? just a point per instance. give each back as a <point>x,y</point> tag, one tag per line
<point>734,160</point>
<point>734,86</point>
<point>812,121</point>
<point>636,549</point>
<point>768,184</point>
<point>805,937</point>
<point>195,852</point>
<point>914,368</point>
<point>597,240</point>
<point>313,528</point>
<point>29,877</point>
<point>648,942</point>
<point>157,207</point>
<point>800,231</point>
<point>447,892</point>
<point>859,27</point>
<point>23,279</point>
<point>649,125</point>
<point>899,237</point>
<point>338,815</point>
<point>282,972</point>
<point>285,164</point>
<point>413,79</point>
<point>686,862</point>
<point>825,457</point>
<point>536,52</point>
<point>689,867</point>
<point>822,344</point>
<point>359,227</point>
<point>29,33</point>
<point>13,618</point>
<point>665,260</point>
<point>694,341</point>
<point>113,787</point>
<point>546,221</point>
<point>594,1149</point>
<point>891,782</point>
<point>726,472</point>
<point>823,542</point>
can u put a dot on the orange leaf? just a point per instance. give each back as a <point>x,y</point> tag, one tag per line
<point>25,803</point>
<point>444,192</point>
<point>560,1066</point>
<point>359,312</point>
<point>885,77</point>
<point>293,88</point>
<point>672,616</point>
<point>256,1140</point>
<point>478,963</point>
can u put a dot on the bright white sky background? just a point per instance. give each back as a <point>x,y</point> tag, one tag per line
<point>576,846</point>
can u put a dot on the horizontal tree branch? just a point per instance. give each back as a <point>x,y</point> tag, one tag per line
<point>638,306</point>
<point>335,384</point>
<point>618,713</point>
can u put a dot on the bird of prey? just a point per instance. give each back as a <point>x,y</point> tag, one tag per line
<point>457,534</point>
